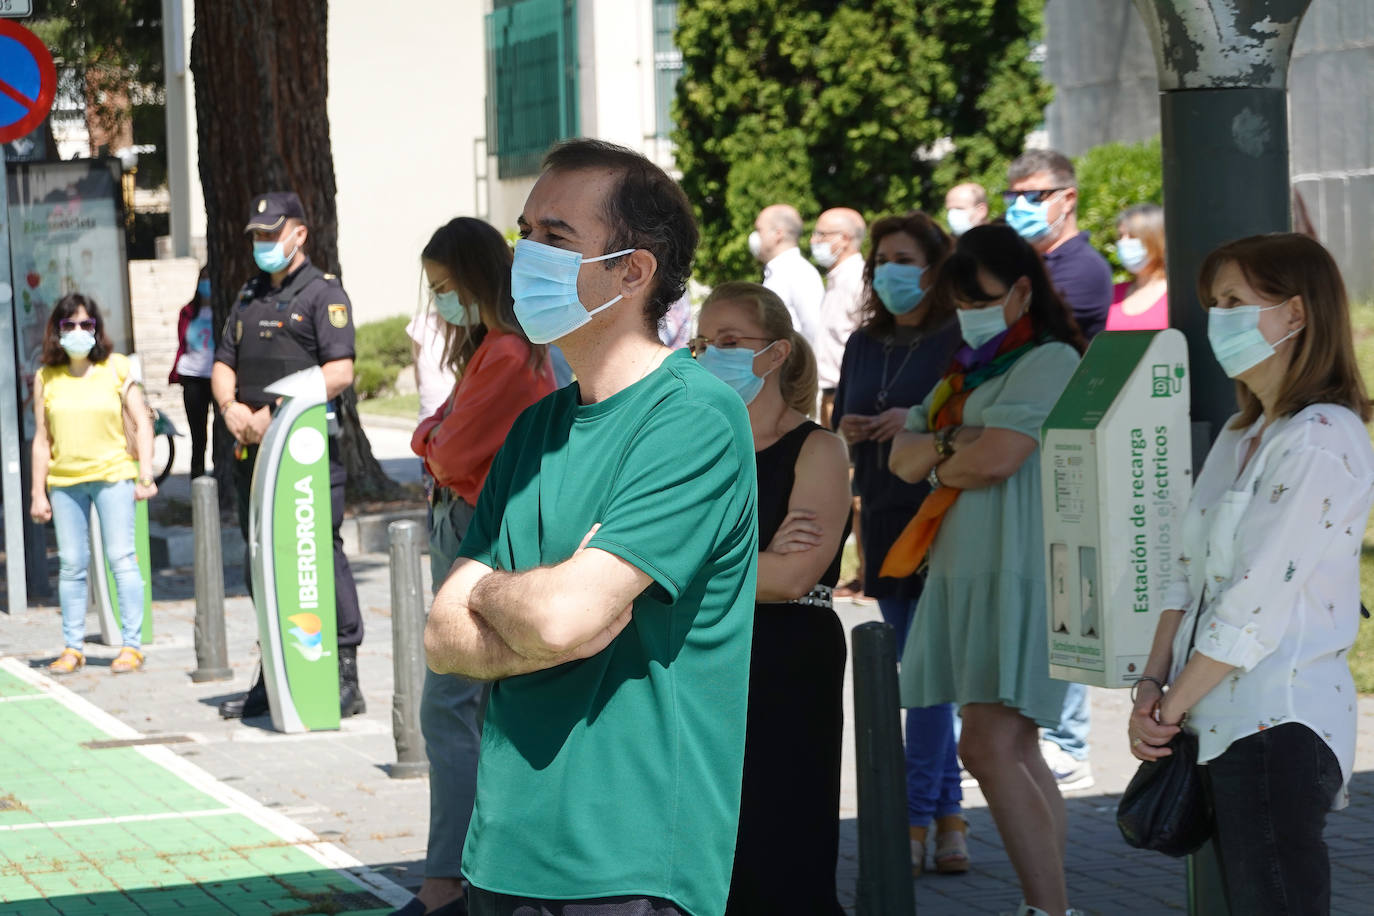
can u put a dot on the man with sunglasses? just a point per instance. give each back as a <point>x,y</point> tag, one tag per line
<point>1042,206</point>
<point>290,317</point>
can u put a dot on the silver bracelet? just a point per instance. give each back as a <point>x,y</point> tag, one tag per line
<point>933,478</point>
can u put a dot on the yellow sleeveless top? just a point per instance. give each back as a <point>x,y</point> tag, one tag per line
<point>85,417</point>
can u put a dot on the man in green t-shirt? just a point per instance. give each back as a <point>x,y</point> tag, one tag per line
<point>607,579</point>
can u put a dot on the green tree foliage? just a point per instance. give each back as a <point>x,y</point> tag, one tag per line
<point>879,105</point>
<point>108,52</point>
<point>1111,178</point>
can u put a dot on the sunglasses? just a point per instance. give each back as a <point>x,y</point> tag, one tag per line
<point>67,324</point>
<point>1036,196</point>
<point>723,342</point>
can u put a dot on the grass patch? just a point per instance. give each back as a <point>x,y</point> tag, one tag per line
<point>406,406</point>
<point>1362,653</point>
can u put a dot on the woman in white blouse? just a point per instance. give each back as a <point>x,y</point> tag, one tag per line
<point>1269,570</point>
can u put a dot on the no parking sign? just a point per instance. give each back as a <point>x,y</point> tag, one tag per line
<point>28,81</point>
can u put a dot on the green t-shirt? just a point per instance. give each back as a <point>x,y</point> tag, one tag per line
<point>620,774</point>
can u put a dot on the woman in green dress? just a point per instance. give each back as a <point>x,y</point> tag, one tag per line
<point>978,638</point>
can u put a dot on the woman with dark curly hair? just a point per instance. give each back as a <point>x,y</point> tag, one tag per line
<point>80,458</point>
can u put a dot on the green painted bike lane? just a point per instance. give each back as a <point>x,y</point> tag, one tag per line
<point>90,824</point>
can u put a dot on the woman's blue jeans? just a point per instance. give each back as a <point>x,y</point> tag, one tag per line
<point>932,759</point>
<point>71,512</point>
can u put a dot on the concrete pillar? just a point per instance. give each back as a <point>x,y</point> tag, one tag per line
<point>176,74</point>
<point>1223,79</point>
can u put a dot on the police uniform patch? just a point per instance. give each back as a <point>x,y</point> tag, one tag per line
<point>262,205</point>
<point>338,316</point>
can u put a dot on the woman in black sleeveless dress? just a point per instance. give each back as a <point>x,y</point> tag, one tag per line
<point>788,838</point>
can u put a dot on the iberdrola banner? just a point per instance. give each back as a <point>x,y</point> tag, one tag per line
<point>293,560</point>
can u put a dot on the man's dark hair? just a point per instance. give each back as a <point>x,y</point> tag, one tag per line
<point>64,308</point>
<point>1057,164</point>
<point>646,209</point>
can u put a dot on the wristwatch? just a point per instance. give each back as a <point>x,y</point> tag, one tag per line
<point>145,481</point>
<point>944,440</point>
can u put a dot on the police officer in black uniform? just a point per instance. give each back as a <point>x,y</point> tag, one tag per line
<point>291,316</point>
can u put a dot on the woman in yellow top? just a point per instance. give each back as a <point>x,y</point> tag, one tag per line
<point>80,457</point>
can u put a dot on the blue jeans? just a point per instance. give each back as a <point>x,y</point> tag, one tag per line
<point>932,760</point>
<point>451,713</point>
<point>1074,722</point>
<point>71,513</point>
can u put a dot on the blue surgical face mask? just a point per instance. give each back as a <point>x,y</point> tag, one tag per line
<point>543,282</point>
<point>898,286</point>
<point>1236,339</point>
<point>1132,253</point>
<point>77,342</point>
<point>452,309</point>
<point>271,257</point>
<point>203,289</point>
<point>981,325</point>
<point>1032,221</point>
<point>735,367</point>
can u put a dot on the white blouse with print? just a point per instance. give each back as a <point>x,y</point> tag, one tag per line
<point>1276,548</point>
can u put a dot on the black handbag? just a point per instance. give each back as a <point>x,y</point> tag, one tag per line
<point>1166,808</point>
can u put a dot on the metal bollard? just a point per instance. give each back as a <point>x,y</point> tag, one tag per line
<point>884,844</point>
<point>212,652</point>
<point>407,649</point>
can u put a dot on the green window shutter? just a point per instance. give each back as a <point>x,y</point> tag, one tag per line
<point>531,81</point>
<point>667,64</point>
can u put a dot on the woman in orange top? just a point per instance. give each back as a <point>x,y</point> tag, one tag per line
<point>500,373</point>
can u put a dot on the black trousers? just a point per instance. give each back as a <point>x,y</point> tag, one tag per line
<point>1271,792</point>
<point>347,613</point>
<point>485,903</point>
<point>195,395</point>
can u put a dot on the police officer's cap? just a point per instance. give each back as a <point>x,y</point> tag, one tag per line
<point>269,211</point>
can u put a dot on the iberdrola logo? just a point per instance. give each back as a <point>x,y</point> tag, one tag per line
<point>307,633</point>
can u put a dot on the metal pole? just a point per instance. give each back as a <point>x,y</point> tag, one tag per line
<point>212,653</point>
<point>11,442</point>
<point>884,843</point>
<point>1223,79</point>
<point>407,650</point>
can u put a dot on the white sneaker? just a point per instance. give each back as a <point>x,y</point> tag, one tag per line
<point>1070,774</point>
<point>967,780</point>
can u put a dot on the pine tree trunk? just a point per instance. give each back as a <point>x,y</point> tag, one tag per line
<point>262,80</point>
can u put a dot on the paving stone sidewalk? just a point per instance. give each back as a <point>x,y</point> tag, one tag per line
<point>330,799</point>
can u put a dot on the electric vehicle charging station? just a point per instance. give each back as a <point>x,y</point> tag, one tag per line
<point>103,595</point>
<point>101,586</point>
<point>292,556</point>
<point>1116,472</point>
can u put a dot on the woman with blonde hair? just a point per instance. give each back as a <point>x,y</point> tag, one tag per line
<point>789,810</point>
<point>1141,304</point>
<point>1265,603</point>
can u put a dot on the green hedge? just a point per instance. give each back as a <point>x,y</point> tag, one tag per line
<point>383,350</point>
<point>1111,178</point>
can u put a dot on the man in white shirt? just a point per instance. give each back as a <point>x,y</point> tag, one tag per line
<point>966,206</point>
<point>777,231</point>
<point>835,245</point>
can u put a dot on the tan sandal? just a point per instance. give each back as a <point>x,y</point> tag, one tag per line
<point>951,846</point>
<point>70,660</point>
<point>129,659</point>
